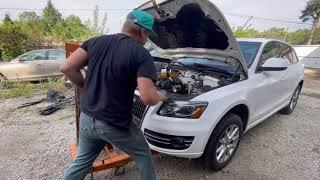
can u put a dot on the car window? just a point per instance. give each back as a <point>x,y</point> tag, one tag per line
<point>270,50</point>
<point>56,55</point>
<point>34,56</point>
<point>286,53</point>
<point>249,50</point>
<point>294,56</point>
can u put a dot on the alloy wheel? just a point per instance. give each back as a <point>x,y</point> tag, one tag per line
<point>227,143</point>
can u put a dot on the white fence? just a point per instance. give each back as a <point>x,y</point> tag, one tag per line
<point>309,55</point>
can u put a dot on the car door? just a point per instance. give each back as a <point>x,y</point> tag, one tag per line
<point>55,58</point>
<point>30,65</point>
<point>268,93</point>
<point>293,72</point>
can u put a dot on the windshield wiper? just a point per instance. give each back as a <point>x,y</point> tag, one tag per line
<point>208,68</point>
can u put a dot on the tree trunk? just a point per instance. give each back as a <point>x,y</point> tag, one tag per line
<point>313,30</point>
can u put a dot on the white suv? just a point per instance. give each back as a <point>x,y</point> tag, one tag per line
<point>218,87</point>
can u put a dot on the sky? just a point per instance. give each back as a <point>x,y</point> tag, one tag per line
<point>236,11</point>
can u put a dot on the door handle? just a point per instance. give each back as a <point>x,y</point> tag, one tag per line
<point>40,64</point>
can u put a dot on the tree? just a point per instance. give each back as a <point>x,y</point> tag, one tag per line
<point>298,37</point>
<point>30,23</point>
<point>275,33</point>
<point>12,39</point>
<point>241,32</point>
<point>311,12</point>
<point>28,16</point>
<point>7,19</point>
<point>71,29</point>
<point>50,17</point>
<point>97,29</point>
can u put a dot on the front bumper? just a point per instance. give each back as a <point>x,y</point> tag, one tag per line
<point>179,137</point>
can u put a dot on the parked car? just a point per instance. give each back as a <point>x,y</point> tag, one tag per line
<point>35,65</point>
<point>218,87</point>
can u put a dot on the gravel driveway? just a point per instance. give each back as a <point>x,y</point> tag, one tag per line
<point>282,147</point>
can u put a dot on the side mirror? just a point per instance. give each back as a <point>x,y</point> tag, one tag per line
<point>274,64</point>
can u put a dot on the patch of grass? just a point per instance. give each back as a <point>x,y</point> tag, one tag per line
<point>313,95</point>
<point>11,90</point>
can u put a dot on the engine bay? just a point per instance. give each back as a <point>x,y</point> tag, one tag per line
<point>179,81</point>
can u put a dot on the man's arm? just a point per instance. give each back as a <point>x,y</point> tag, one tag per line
<point>148,92</point>
<point>75,62</point>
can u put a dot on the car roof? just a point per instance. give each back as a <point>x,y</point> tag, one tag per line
<point>46,50</point>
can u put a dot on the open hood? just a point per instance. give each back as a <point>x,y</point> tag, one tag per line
<point>193,28</point>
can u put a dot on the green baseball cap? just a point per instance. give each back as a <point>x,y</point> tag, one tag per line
<point>142,19</point>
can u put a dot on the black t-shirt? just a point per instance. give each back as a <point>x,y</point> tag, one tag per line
<point>114,63</point>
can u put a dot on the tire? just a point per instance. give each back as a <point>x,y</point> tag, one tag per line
<point>293,102</point>
<point>210,159</point>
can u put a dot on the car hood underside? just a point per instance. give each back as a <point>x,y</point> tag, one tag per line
<point>192,28</point>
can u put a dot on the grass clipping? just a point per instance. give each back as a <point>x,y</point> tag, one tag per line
<point>12,90</point>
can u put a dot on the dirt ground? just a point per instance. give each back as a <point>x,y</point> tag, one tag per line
<point>282,147</point>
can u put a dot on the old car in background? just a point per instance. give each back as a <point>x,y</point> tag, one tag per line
<point>38,65</point>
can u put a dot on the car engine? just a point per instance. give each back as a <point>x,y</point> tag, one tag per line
<point>185,82</point>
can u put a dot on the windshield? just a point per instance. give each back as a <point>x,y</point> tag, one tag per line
<point>249,50</point>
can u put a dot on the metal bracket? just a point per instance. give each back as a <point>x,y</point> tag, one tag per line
<point>162,13</point>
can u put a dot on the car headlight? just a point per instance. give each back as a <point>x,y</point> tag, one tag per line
<point>182,109</point>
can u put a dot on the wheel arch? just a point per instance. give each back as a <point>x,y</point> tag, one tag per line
<point>240,109</point>
<point>300,83</point>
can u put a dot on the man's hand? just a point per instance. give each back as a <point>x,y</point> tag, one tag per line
<point>162,96</point>
<point>75,62</point>
<point>148,92</point>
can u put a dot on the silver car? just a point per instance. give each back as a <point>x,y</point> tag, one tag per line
<point>35,65</point>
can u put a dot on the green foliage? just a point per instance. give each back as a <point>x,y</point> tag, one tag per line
<point>299,37</point>
<point>71,29</point>
<point>18,89</point>
<point>241,32</point>
<point>31,31</point>
<point>275,33</point>
<point>96,29</point>
<point>50,18</point>
<point>29,17</point>
<point>30,24</point>
<point>311,11</point>
<point>12,39</point>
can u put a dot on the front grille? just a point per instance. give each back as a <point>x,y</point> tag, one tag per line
<point>138,110</point>
<point>168,141</point>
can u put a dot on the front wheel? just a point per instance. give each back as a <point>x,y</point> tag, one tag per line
<point>293,102</point>
<point>223,142</point>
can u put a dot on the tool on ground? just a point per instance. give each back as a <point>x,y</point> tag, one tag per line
<point>53,96</point>
<point>56,106</point>
<point>31,103</point>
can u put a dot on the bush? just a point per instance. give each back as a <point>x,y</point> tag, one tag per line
<point>12,40</point>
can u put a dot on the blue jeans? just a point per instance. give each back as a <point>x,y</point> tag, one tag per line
<point>94,134</point>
